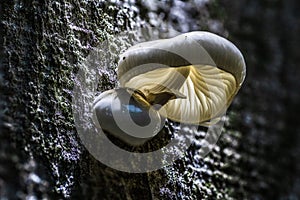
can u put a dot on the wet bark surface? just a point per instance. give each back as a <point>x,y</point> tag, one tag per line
<point>42,46</point>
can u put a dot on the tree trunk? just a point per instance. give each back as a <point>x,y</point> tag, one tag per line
<point>43,44</point>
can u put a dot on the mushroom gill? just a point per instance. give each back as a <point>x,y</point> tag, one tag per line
<point>193,76</point>
<point>201,92</point>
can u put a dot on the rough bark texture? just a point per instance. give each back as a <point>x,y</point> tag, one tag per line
<point>41,156</point>
<point>267,32</point>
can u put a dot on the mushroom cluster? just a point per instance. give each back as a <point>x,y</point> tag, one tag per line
<point>191,78</point>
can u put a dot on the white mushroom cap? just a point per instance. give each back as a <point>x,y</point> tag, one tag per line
<point>203,71</point>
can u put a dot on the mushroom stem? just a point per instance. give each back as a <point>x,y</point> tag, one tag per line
<point>161,95</point>
<point>158,98</point>
<point>159,86</point>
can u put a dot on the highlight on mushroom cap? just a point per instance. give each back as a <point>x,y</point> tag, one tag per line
<point>200,71</point>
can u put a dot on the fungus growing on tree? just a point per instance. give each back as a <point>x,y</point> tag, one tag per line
<point>191,78</point>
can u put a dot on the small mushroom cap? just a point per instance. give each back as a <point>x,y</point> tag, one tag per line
<point>204,71</point>
<point>118,113</point>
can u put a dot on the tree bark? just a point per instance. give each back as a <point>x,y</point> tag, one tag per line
<point>41,155</point>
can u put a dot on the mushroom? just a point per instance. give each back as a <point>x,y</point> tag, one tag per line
<point>191,78</point>
<point>121,113</point>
